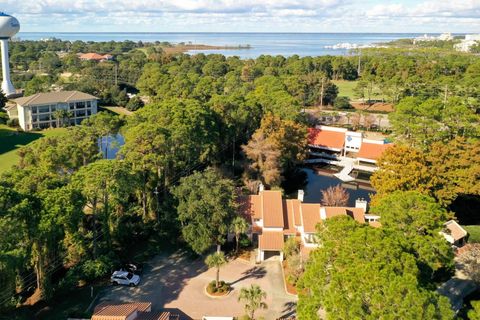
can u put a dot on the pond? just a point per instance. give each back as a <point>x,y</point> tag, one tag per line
<point>313,180</point>
<point>113,142</point>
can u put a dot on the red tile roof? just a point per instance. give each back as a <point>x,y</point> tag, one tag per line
<point>356,213</point>
<point>325,138</point>
<point>272,209</point>
<point>310,216</point>
<point>296,212</point>
<point>255,206</point>
<point>372,151</point>
<point>156,316</point>
<point>289,227</point>
<point>122,311</point>
<point>271,240</point>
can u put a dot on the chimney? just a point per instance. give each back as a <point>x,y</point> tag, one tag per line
<point>323,213</point>
<point>261,187</point>
<point>301,195</point>
<point>361,203</point>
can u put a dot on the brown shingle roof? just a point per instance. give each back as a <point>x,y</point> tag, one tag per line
<point>325,138</point>
<point>53,97</point>
<point>289,227</point>
<point>310,216</point>
<point>372,151</point>
<point>271,240</point>
<point>272,209</point>
<point>456,231</point>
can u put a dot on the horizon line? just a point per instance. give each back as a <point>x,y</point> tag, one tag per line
<point>235,32</point>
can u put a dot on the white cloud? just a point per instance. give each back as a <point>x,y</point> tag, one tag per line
<point>247,15</point>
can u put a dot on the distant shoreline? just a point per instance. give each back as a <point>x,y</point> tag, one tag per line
<point>182,48</point>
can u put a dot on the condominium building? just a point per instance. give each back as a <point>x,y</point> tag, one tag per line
<point>38,111</point>
<point>274,220</point>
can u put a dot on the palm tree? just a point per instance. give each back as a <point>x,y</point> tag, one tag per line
<point>216,260</point>
<point>380,117</point>
<point>60,115</point>
<point>57,115</point>
<point>239,226</point>
<point>253,297</point>
<point>348,116</point>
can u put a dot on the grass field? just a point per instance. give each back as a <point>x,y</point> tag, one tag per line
<point>11,140</point>
<point>346,89</point>
<point>474,233</point>
<point>117,110</point>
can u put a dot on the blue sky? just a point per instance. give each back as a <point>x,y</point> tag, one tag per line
<point>246,15</point>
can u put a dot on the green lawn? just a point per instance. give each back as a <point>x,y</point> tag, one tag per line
<point>474,233</point>
<point>345,88</point>
<point>11,140</point>
<point>117,110</point>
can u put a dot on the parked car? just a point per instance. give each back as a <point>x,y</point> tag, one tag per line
<point>125,278</point>
<point>132,267</point>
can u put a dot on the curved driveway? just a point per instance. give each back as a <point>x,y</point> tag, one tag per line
<point>177,283</point>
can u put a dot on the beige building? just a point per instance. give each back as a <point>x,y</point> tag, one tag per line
<point>38,111</point>
<point>274,220</point>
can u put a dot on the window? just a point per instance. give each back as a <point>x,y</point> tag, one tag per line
<point>34,110</point>
<point>44,117</point>
<point>80,105</point>
<point>71,105</point>
<point>80,113</point>
<point>89,112</point>
<point>44,109</point>
<point>89,104</point>
<point>53,108</point>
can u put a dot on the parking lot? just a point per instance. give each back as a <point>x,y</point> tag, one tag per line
<point>177,283</point>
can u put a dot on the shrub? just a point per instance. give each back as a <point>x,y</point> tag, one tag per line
<point>291,247</point>
<point>93,269</point>
<point>3,117</point>
<point>244,241</point>
<point>342,103</point>
<point>13,123</point>
<point>68,282</point>
<point>223,288</point>
<point>134,104</point>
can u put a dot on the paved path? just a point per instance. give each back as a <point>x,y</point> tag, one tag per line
<point>178,283</point>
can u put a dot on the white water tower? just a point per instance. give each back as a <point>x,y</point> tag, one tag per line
<point>9,26</point>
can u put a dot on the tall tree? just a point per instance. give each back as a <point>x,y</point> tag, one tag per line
<point>264,155</point>
<point>419,219</point>
<point>102,183</point>
<point>206,208</point>
<point>360,272</point>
